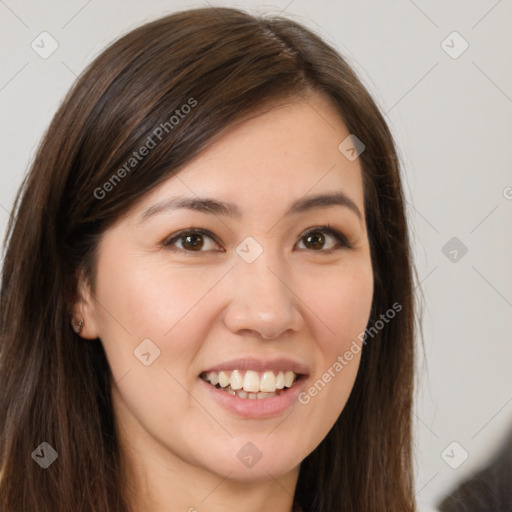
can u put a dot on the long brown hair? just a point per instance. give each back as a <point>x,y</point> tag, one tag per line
<point>55,387</point>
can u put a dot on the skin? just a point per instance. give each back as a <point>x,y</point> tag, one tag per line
<point>202,308</point>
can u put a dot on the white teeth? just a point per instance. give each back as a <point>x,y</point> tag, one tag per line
<point>251,382</point>
<point>266,395</point>
<point>236,380</point>
<point>280,380</point>
<point>240,393</point>
<point>268,382</point>
<point>223,379</point>
<point>213,377</point>
<point>289,377</point>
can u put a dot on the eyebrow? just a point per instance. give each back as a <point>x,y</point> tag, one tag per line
<point>213,206</point>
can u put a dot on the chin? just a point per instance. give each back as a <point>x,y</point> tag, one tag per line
<point>249,464</point>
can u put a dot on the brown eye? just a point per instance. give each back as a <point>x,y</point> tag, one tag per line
<point>314,240</point>
<point>317,238</point>
<point>191,240</point>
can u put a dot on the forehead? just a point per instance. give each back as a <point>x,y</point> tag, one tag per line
<point>270,159</point>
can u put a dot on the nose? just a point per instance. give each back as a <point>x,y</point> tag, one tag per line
<point>263,301</point>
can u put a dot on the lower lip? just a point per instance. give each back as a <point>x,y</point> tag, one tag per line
<point>260,408</point>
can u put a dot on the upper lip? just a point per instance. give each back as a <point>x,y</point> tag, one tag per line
<point>260,365</point>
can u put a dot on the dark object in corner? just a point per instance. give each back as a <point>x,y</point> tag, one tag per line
<point>490,490</point>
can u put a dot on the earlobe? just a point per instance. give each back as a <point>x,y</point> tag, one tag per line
<point>79,326</point>
<point>83,321</point>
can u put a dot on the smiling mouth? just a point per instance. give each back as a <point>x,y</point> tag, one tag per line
<point>250,384</point>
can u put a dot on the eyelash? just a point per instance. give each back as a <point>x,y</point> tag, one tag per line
<point>325,229</point>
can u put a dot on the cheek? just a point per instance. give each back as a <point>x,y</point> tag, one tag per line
<point>141,301</point>
<point>150,299</point>
<point>343,308</point>
<point>343,305</point>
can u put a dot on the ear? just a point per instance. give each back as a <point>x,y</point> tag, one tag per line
<point>84,309</point>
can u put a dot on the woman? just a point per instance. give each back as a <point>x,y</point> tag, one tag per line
<point>207,290</point>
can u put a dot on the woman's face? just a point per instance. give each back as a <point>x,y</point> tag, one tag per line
<point>260,290</point>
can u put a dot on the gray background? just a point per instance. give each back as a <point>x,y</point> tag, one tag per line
<point>452,121</point>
